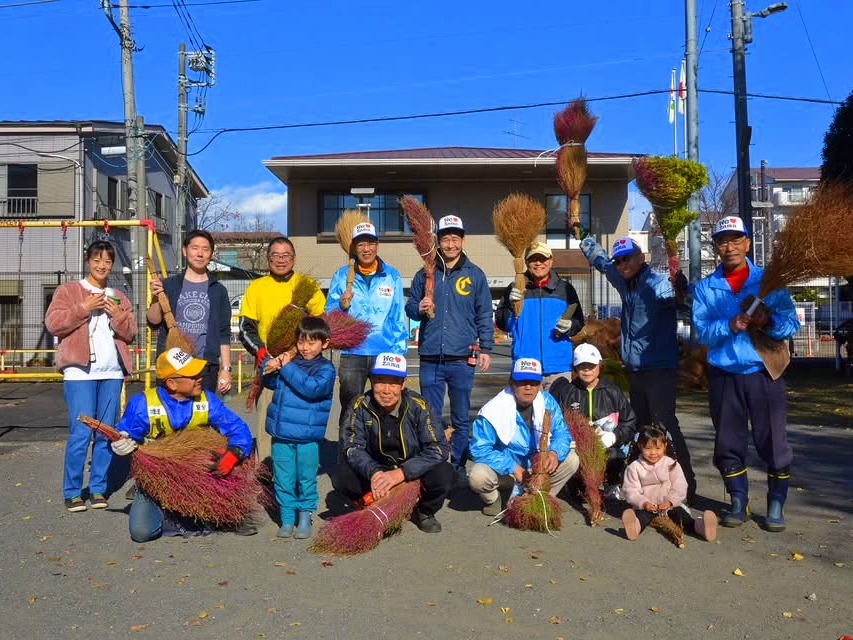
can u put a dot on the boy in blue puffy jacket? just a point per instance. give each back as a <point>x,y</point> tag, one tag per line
<point>296,419</point>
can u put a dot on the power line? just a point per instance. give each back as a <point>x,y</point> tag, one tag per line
<point>189,4</point>
<point>465,112</point>
<point>707,29</point>
<point>24,4</point>
<point>814,54</point>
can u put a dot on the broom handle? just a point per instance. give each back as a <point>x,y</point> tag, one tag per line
<point>350,279</point>
<point>110,433</point>
<point>518,263</point>
<point>168,316</point>
<point>753,306</point>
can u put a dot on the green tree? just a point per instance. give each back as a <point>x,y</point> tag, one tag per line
<point>838,144</point>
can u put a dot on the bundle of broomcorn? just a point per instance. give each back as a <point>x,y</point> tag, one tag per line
<point>360,531</point>
<point>572,127</point>
<point>175,337</point>
<point>670,529</point>
<point>692,366</point>
<point>814,243</point>
<point>175,472</point>
<point>593,462</point>
<point>604,334</point>
<point>536,509</point>
<point>348,221</point>
<point>423,236</point>
<point>667,183</point>
<point>517,220</point>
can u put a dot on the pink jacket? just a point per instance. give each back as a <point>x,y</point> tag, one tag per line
<point>655,483</point>
<point>68,320</point>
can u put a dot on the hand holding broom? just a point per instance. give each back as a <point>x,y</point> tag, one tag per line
<point>423,236</point>
<point>174,337</point>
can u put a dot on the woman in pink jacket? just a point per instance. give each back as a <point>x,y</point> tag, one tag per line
<point>94,324</point>
<point>654,484</point>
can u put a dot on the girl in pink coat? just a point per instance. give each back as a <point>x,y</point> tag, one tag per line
<point>654,483</point>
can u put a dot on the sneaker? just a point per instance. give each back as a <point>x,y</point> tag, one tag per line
<point>427,523</point>
<point>492,509</point>
<point>98,501</point>
<point>631,523</point>
<point>131,493</point>
<point>75,504</point>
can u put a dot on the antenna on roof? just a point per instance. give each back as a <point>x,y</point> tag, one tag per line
<point>515,134</point>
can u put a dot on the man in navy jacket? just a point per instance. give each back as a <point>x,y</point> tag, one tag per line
<point>458,316</point>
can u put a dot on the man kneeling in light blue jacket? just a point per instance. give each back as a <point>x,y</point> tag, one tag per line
<point>506,434</point>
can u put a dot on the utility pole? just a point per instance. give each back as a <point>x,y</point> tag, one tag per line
<point>691,126</point>
<point>181,174</point>
<point>743,132</point>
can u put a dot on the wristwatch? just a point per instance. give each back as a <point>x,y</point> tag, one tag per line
<point>228,368</point>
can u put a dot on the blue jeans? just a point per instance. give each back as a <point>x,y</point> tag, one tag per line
<point>148,521</point>
<point>97,399</point>
<point>294,466</point>
<point>457,377</point>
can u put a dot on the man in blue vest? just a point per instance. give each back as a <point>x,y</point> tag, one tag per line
<point>458,316</point>
<point>178,403</point>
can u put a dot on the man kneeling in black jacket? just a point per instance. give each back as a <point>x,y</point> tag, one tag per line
<point>389,437</point>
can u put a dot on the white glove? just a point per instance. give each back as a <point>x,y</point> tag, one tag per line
<point>124,446</point>
<point>564,325</point>
<point>608,438</point>
<point>588,244</point>
<point>515,294</point>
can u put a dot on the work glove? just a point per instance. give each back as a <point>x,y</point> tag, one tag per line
<point>564,325</point>
<point>225,460</point>
<point>588,244</point>
<point>124,446</point>
<point>608,438</point>
<point>515,294</point>
<point>259,357</point>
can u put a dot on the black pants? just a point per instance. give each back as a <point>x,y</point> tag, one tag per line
<point>353,372</point>
<point>678,515</point>
<point>652,393</point>
<point>435,485</point>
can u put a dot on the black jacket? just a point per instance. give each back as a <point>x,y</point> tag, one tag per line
<point>424,446</point>
<point>606,398</point>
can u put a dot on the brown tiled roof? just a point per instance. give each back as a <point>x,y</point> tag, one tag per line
<point>790,173</point>
<point>448,153</point>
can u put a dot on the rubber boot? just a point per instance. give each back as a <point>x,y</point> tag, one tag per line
<point>737,485</point>
<point>777,493</point>
<point>303,526</point>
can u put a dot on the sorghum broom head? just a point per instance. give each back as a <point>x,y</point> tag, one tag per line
<point>574,123</point>
<point>348,221</point>
<point>534,511</point>
<point>517,220</point>
<point>593,461</point>
<point>361,531</point>
<point>346,332</point>
<point>668,182</point>
<point>669,529</point>
<point>282,333</point>
<point>423,228</point>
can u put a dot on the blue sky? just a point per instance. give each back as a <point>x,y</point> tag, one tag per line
<point>287,62</point>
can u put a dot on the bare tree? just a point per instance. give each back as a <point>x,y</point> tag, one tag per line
<point>215,213</point>
<point>253,246</point>
<point>717,199</point>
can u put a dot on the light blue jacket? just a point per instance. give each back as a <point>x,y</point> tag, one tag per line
<point>487,448</point>
<point>649,324</point>
<point>381,304</point>
<point>714,305</point>
<point>302,399</point>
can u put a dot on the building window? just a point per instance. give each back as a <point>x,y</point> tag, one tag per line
<point>385,211</point>
<point>21,195</point>
<point>155,203</point>
<point>557,231</point>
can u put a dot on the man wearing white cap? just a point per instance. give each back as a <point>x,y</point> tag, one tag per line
<point>457,318</point>
<point>388,438</point>
<point>506,434</point>
<point>740,390</point>
<point>377,298</point>
<point>550,316</point>
<point>649,337</point>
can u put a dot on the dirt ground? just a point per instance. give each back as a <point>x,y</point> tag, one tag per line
<point>79,575</point>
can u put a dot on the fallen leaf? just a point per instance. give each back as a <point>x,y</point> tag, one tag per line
<point>833,521</point>
<point>787,614</point>
<point>432,604</point>
<point>136,557</point>
<point>194,623</point>
<point>219,605</point>
<point>294,624</point>
<point>504,609</point>
<point>112,562</point>
<point>211,566</point>
<point>27,517</point>
<point>45,538</point>
<point>326,563</point>
<point>654,609</point>
<point>19,484</point>
<point>202,614</point>
<point>555,620</point>
<point>533,556</point>
<point>179,581</point>
<point>484,601</point>
<point>504,568</point>
<point>528,586</point>
<point>279,564</point>
<point>737,572</point>
<point>31,599</point>
<point>508,619</point>
<point>840,564</point>
<point>290,573</point>
<point>260,635</point>
<point>100,585</point>
<point>272,610</point>
<point>796,556</point>
<point>774,555</point>
<point>582,578</point>
<point>224,583</point>
<point>552,582</point>
<point>138,627</point>
<point>538,564</point>
<point>619,612</point>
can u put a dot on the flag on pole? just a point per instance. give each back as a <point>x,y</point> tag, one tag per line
<point>671,106</point>
<point>682,86</point>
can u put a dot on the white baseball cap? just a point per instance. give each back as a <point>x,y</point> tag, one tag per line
<point>732,224</point>
<point>364,229</point>
<point>527,369</point>
<point>623,247</point>
<point>451,223</point>
<point>586,353</point>
<point>389,364</point>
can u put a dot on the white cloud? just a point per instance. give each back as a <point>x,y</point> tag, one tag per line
<point>266,199</point>
<point>638,208</point>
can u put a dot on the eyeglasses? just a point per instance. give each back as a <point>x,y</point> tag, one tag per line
<point>280,256</point>
<point>731,242</point>
<point>622,259</point>
<point>537,258</point>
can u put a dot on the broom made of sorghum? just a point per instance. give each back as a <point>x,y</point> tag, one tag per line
<point>536,509</point>
<point>814,243</point>
<point>174,336</point>
<point>175,472</point>
<point>517,220</point>
<point>572,127</point>
<point>348,221</point>
<point>667,183</point>
<point>668,528</point>
<point>423,236</point>
<point>281,336</point>
<point>593,462</point>
<point>362,530</point>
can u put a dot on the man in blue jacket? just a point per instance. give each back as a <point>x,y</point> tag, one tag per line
<point>388,438</point>
<point>740,389</point>
<point>458,315</point>
<point>506,434</point>
<point>551,314</point>
<point>649,337</point>
<point>377,298</point>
